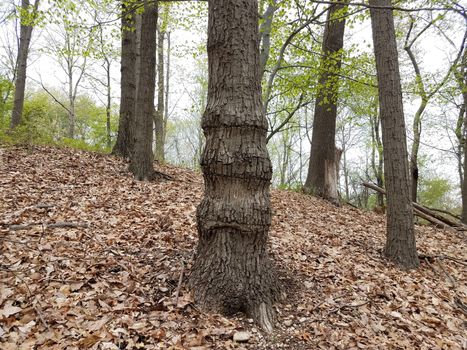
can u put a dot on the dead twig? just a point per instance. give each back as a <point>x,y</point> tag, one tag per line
<point>34,302</point>
<point>448,275</point>
<point>460,305</point>
<point>35,206</point>
<point>63,224</point>
<point>26,244</point>
<point>427,260</point>
<point>348,306</point>
<point>456,260</point>
<point>180,281</point>
<point>442,257</point>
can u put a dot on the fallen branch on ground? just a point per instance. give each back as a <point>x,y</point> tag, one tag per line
<point>436,219</point>
<point>180,281</point>
<point>445,212</point>
<point>443,257</point>
<point>62,224</point>
<point>35,206</point>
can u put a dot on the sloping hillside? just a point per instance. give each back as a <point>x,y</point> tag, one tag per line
<point>118,280</point>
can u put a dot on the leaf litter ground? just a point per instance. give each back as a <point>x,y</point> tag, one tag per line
<point>118,280</point>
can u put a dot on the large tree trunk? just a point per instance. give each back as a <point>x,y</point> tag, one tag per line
<point>232,272</point>
<point>400,240</point>
<point>322,179</point>
<point>22,62</point>
<point>123,144</point>
<point>141,159</point>
<point>159,117</point>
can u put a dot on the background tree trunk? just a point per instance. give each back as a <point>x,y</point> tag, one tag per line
<point>108,106</point>
<point>232,272</point>
<point>462,81</point>
<point>167,88</point>
<point>123,144</point>
<point>265,34</point>
<point>141,159</point>
<point>321,179</point>
<point>377,148</point>
<point>159,117</point>
<point>22,61</point>
<point>417,121</point>
<point>71,102</point>
<point>400,240</point>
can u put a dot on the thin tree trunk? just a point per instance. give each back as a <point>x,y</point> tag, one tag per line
<point>22,62</point>
<point>159,117</point>
<point>141,159</point>
<point>265,34</point>
<point>321,179</point>
<point>232,272</point>
<point>167,88</point>
<point>459,131</point>
<point>346,175</point>
<point>377,148</point>
<point>380,167</point>
<point>425,96</point>
<point>400,240</point>
<point>417,124</point>
<point>71,103</point>
<point>463,87</point>
<point>109,104</point>
<point>123,145</point>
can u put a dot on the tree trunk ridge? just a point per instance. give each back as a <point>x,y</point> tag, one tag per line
<point>232,272</point>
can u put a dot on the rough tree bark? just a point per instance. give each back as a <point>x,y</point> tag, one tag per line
<point>322,179</point>
<point>232,272</point>
<point>400,237</point>
<point>141,157</point>
<point>123,144</point>
<point>26,19</point>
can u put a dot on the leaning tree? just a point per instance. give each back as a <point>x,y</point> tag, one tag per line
<point>232,271</point>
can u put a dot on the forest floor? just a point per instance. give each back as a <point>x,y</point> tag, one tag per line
<point>113,283</point>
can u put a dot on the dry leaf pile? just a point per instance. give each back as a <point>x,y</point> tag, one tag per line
<point>91,259</point>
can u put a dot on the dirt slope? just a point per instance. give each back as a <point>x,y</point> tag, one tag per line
<point>113,284</point>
